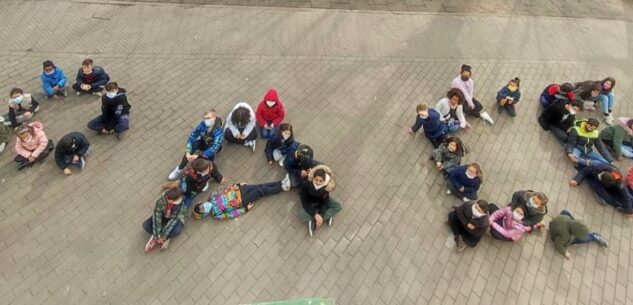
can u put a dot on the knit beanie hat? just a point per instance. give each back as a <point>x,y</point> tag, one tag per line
<point>466,68</point>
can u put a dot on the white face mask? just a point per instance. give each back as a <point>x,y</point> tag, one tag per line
<point>469,176</point>
<point>571,111</point>
<point>49,73</point>
<point>517,216</point>
<point>476,212</point>
<point>111,94</point>
<point>208,122</point>
<point>177,201</point>
<point>17,100</point>
<point>270,103</point>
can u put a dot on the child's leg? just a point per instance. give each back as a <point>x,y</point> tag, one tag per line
<point>511,110</point>
<point>176,230</point>
<point>148,225</point>
<point>123,124</point>
<point>253,192</point>
<point>96,124</point>
<point>596,157</point>
<point>333,208</point>
<point>303,215</point>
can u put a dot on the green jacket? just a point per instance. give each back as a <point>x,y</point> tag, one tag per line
<point>617,135</point>
<point>4,133</point>
<point>563,229</point>
<point>178,213</point>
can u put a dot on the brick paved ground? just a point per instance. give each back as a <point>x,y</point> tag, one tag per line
<point>350,81</point>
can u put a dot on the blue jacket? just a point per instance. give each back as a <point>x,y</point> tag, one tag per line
<point>504,92</point>
<point>100,77</point>
<point>458,177</point>
<point>433,126</point>
<point>293,165</point>
<point>58,78</point>
<point>277,142</point>
<point>212,138</point>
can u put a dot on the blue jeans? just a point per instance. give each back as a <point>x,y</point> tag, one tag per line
<point>627,151</point>
<point>267,133</point>
<point>148,226</point>
<point>453,125</point>
<point>122,124</point>
<point>592,156</point>
<point>607,101</point>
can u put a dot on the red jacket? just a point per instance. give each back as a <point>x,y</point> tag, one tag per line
<point>276,113</point>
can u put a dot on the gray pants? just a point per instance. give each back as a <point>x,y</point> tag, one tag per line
<point>333,208</point>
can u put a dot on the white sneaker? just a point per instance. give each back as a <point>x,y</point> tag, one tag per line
<point>448,192</point>
<point>329,221</point>
<point>281,162</point>
<point>253,144</point>
<point>98,93</point>
<point>285,184</point>
<point>486,117</point>
<point>175,173</point>
<point>82,163</point>
<point>2,146</point>
<point>465,199</point>
<point>609,119</point>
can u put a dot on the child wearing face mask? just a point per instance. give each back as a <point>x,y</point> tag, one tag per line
<point>206,137</point>
<point>22,107</point>
<point>31,144</point>
<point>468,223</point>
<point>115,112</point>
<point>270,113</point>
<point>71,150</point>
<point>431,121</point>
<point>317,206</point>
<point>607,184</point>
<point>448,155</point>
<point>589,92</point>
<point>559,117</point>
<point>196,179</point>
<point>507,224</point>
<point>53,80</point>
<point>167,220</point>
<point>465,83</point>
<point>564,231</point>
<point>534,205</point>
<point>277,145</point>
<point>464,181</point>
<point>606,96</point>
<point>235,200</point>
<point>509,96</point>
<point>619,138</point>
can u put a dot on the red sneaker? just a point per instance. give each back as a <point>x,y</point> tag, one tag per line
<point>151,244</point>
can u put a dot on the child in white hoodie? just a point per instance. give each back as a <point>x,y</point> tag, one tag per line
<point>240,126</point>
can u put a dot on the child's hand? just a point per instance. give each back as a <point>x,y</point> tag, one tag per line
<point>410,131</point>
<point>573,183</point>
<point>567,254</point>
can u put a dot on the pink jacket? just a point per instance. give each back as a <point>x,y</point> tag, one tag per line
<point>466,87</point>
<point>510,228</point>
<point>36,145</point>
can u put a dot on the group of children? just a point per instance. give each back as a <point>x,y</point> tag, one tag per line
<point>192,175</point>
<point>32,145</point>
<point>474,217</point>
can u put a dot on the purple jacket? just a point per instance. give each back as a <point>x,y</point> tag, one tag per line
<point>509,227</point>
<point>466,87</point>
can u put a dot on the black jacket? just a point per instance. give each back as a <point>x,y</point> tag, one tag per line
<point>465,215</point>
<point>532,215</point>
<point>312,200</point>
<point>277,142</point>
<point>78,147</point>
<point>556,115</point>
<point>113,108</point>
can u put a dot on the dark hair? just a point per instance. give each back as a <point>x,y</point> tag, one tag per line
<point>611,79</point>
<point>200,164</point>
<point>65,142</point>
<point>172,190</point>
<point>483,205</point>
<point>456,92</point>
<point>111,86</point>
<point>305,150</point>
<point>15,90</point>
<point>286,126</point>
<point>566,87</point>
<point>607,179</point>
<point>629,123</point>
<point>87,62</point>
<point>593,122</point>
<point>460,146</point>
<point>576,103</point>
<point>542,197</point>
<point>319,173</point>
<point>517,81</point>
<point>518,207</point>
<point>466,68</point>
<point>241,116</point>
<point>48,63</point>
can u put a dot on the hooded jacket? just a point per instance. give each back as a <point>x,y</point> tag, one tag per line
<point>458,177</point>
<point>294,165</point>
<point>274,114</point>
<point>505,92</point>
<point>617,135</point>
<point>247,128</point>
<point>100,77</point>
<point>552,93</point>
<point>277,142</point>
<point>557,115</point>
<point>443,106</point>
<point>449,159</point>
<point>433,126</point>
<point>465,215</point>
<point>563,230</point>
<point>36,145</point>
<point>315,201</point>
<point>509,227</point>
<point>578,137</point>
<point>28,104</point>
<point>211,136</point>
<point>57,78</point>
<point>194,182</point>
<point>112,109</point>
<point>78,147</point>
<point>532,215</point>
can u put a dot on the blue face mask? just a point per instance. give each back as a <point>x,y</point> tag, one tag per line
<point>209,122</point>
<point>17,100</point>
<point>531,204</point>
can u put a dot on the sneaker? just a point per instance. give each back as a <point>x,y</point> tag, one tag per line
<point>459,244</point>
<point>448,192</point>
<point>120,135</point>
<point>82,163</point>
<point>206,187</point>
<point>285,184</point>
<point>609,119</point>
<point>253,144</point>
<point>98,93</point>
<point>36,109</point>
<point>24,164</point>
<point>281,162</point>
<point>2,146</point>
<point>465,199</point>
<point>151,244</point>
<point>164,245</point>
<point>77,93</point>
<point>486,117</point>
<point>600,240</point>
<point>329,221</point>
<point>311,227</point>
<point>175,173</point>
<point>499,108</point>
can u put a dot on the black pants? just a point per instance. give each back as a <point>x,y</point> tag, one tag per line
<point>560,134</point>
<point>201,146</point>
<point>436,142</point>
<point>253,192</point>
<point>459,230</point>
<point>474,112</point>
<point>228,136</point>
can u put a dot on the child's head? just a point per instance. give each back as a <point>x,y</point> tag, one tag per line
<point>112,87</point>
<point>286,131</point>
<point>16,93</point>
<point>304,151</point>
<point>592,124</point>
<point>466,72</point>
<point>595,90</point>
<point>514,84</point>
<point>473,170</point>
<point>518,213</point>
<point>574,106</point>
<point>48,67</point>
<point>241,116</point>
<point>87,65</point>
<point>319,177</point>
<point>65,142</point>
<point>608,83</point>
<point>24,132</point>
<point>454,144</point>
<point>209,117</point>
<point>480,208</point>
<point>607,179</point>
<point>537,200</point>
<point>422,111</point>
<point>172,193</point>
<point>455,96</point>
<point>201,166</point>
